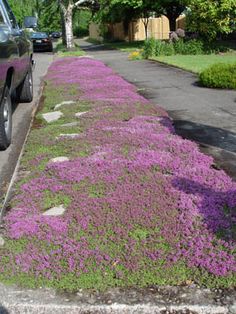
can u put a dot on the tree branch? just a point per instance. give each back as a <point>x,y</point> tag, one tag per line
<point>62,6</point>
<point>77,3</point>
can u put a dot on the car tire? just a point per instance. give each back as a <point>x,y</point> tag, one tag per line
<point>5,119</point>
<point>25,90</point>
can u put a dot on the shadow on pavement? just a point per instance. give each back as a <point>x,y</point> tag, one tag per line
<point>206,134</point>
<point>3,310</point>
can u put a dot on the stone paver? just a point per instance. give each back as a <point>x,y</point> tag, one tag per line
<point>66,102</point>
<point>79,114</point>
<point>55,211</point>
<point>59,159</point>
<point>72,135</point>
<point>52,116</point>
<point>2,242</point>
<point>70,124</point>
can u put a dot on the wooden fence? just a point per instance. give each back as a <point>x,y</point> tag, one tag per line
<point>157,28</point>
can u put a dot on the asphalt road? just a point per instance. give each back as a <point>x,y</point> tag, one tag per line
<point>21,121</point>
<point>207,116</point>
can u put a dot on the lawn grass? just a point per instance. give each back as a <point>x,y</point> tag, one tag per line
<point>120,45</point>
<point>196,63</point>
<point>126,46</point>
<point>143,206</point>
<point>62,51</point>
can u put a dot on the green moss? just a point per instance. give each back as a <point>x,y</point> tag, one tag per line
<point>51,199</point>
<point>96,190</point>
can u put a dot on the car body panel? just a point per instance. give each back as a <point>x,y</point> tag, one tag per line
<point>15,49</point>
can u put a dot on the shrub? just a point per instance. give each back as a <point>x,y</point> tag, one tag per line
<point>153,47</point>
<point>149,49</point>
<point>166,49</point>
<point>179,46</point>
<point>219,75</point>
<point>191,47</point>
<point>194,47</point>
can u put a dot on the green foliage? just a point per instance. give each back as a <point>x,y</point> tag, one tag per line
<point>219,76</point>
<point>125,10</point>
<point>81,21</point>
<point>164,49</point>
<point>23,8</point>
<point>96,190</point>
<point>51,199</point>
<point>191,47</point>
<point>62,51</point>
<point>49,16</point>
<point>209,17</point>
<point>149,48</point>
<point>153,47</point>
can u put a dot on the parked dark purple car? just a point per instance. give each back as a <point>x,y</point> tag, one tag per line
<point>16,60</point>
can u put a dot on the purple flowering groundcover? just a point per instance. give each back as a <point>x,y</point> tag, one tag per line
<point>142,206</point>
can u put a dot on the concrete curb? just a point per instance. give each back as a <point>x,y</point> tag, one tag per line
<point>36,103</point>
<point>162,300</point>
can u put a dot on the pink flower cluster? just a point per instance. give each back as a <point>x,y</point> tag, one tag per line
<point>142,195</point>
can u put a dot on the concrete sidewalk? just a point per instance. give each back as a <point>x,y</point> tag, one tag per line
<point>162,300</point>
<point>207,116</point>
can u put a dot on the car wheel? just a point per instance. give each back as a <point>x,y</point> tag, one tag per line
<point>25,90</point>
<point>5,119</point>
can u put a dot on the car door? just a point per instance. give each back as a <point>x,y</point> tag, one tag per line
<point>22,43</point>
<point>8,49</point>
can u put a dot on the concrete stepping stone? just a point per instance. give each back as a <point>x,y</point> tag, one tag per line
<point>2,242</point>
<point>70,124</point>
<point>55,211</point>
<point>79,114</point>
<point>72,135</point>
<point>52,116</point>
<point>66,102</point>
<point>59,159</point>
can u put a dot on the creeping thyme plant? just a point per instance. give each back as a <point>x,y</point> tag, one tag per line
<point>142,205</point>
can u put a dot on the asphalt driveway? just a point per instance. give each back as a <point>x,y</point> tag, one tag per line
<point>207,116</point>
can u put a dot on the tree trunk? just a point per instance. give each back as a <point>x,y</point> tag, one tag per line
<point>63,28</point>
<point>145,23</point>
<point>172,21</point>
<point>68,28</point>
<point>146,30</point>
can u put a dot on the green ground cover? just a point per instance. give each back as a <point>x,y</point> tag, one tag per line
<point>142,206</point>
<point>196,63</point>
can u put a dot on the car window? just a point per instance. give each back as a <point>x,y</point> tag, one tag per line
<point>38,35</point>
<point>1,18</point>
<point>30,22</point>
<point>10,15</point>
